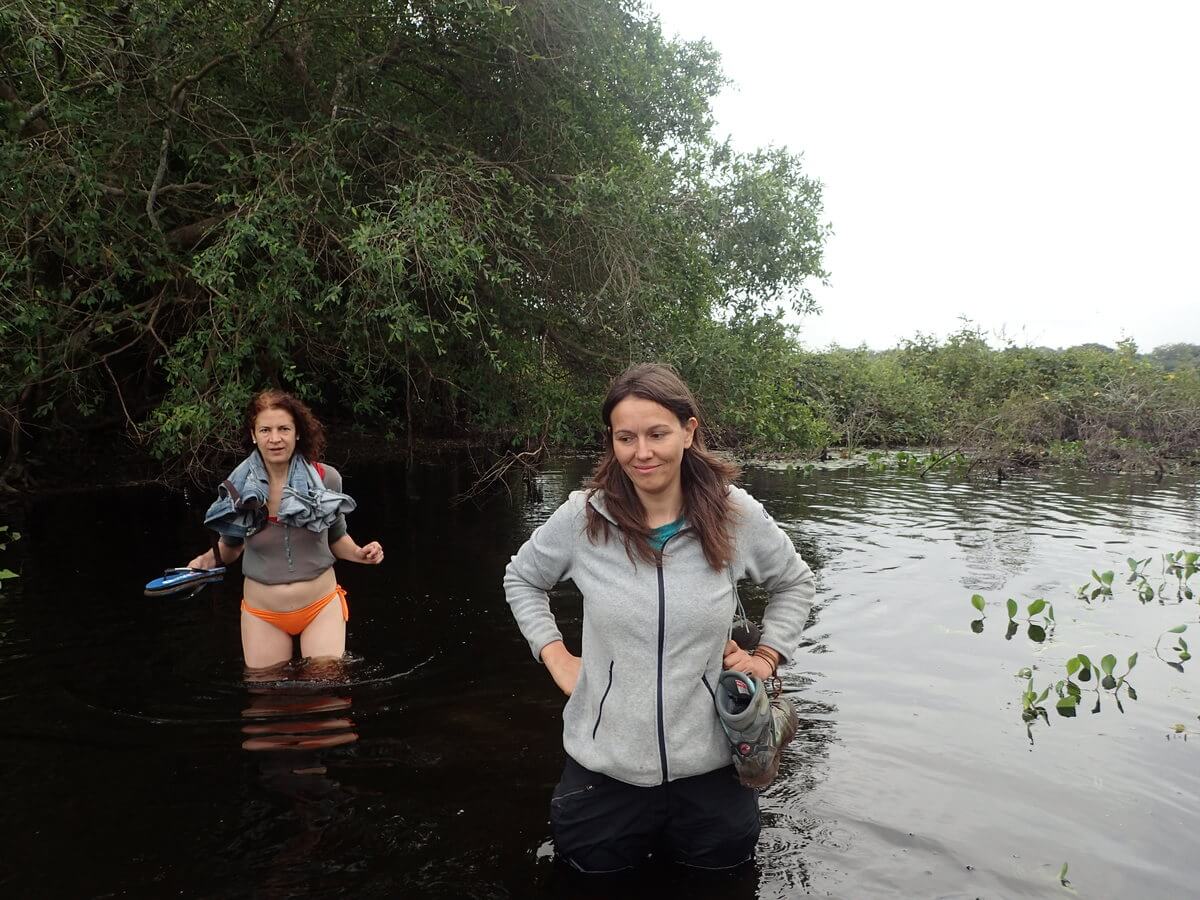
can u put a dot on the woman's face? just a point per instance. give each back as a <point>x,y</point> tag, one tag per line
<point>275,434</point>
<point>648,442</point>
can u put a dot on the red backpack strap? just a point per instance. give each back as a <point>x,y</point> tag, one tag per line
<point>320,470</point>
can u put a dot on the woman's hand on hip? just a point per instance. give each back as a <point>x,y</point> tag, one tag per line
<point>563,665</point>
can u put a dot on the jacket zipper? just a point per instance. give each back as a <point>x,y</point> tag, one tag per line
<point>600,713</point>
<point>662,638</point>
<point>662,634</point>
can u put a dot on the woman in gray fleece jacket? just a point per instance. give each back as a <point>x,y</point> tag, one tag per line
<point>655,545</point>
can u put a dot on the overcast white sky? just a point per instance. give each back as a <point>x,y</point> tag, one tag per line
<point>1032,165</point>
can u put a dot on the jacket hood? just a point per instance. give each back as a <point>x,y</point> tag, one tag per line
<point>596,500</point>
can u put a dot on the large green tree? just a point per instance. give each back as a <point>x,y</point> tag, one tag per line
<point>448,215</point>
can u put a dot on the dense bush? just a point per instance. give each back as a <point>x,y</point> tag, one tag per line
<point>1092,404</point>
<point>453,217</point>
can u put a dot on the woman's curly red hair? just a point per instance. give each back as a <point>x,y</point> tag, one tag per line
<point>310,433</point>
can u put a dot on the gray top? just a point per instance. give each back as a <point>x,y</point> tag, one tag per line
<point>653,636</point>
<point>279,554</point>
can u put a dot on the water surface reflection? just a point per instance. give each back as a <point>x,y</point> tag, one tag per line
<point>421,766</point>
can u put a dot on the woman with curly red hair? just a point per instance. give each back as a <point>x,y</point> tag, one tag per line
<point>283,512</point>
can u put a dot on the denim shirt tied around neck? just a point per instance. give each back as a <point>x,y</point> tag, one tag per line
<point>241,505</point>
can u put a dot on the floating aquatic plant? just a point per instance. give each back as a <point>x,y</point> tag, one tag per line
<point>1036,630</point>
<point>1180,647</point>
<point>1103,581</point>
<point>1135,568</point>
<point>1183,564</point>
<point>1082,673</point>
<point>1081,670</point>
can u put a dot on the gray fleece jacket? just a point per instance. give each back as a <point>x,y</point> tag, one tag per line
<point>653,636</point>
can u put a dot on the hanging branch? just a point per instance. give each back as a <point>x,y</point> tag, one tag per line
<point>175,105</point>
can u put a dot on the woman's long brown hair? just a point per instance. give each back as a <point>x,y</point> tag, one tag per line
<point>705,477</point>
<point>310,434</point>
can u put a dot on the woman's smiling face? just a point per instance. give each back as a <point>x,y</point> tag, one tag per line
<point>648,442</point>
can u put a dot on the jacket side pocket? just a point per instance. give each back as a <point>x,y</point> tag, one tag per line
<point>600,711</point>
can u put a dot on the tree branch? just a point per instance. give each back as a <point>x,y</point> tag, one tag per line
<point>175,103</point>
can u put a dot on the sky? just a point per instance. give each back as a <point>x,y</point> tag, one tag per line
<point>1034,167</point>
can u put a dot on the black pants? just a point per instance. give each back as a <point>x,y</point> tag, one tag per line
<point>602,825</point>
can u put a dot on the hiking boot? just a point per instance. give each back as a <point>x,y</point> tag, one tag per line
<point>758,727</point>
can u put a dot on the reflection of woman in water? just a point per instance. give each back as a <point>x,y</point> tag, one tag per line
<point>303,714</point>
<point>283,513</point>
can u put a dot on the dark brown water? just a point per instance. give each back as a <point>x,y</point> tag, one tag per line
<point>140,763</point>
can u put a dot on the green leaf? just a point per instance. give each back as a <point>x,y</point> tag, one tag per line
<point>1107,577</point>
<point>7,573</point>
<point>1012,608</point>
<point>1062,875</point>
<point>1131,692</point>
<point>1073,665</point>
<point>1132,661</point>
<point>977,601</point>
<point>1178,629</point>
<point>1108,663</point>
<point>1036,607</point>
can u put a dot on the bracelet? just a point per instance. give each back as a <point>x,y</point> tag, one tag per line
<point>769,656</point>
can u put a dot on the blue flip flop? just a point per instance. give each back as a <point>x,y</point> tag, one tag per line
<point>176,581</point>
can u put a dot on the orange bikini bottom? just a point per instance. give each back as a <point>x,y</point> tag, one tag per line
<point>297,620</point>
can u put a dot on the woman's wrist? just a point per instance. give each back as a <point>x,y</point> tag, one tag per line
<point>552,652</point>
<point>768,655</point>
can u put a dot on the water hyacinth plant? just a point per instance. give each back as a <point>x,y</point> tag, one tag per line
<point>1183,564</point>
<point>1180,647</point>
<point>1135,568</point>
<point>1081,671</point>
<point>1036,630</point>
<point>1103,581</point>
